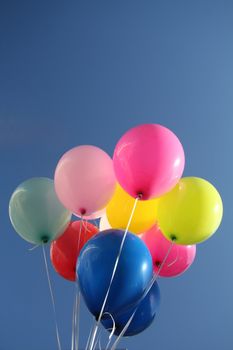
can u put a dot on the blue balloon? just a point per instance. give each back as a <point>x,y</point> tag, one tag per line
<point>95,266</point>
<point>146,310</point>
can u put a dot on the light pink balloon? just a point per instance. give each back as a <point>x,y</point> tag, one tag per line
<point>85,180</point>
<point>179,259</point>
<point>148,161</point>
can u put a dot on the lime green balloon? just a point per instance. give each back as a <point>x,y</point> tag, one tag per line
<point>191,212</point>
<point>36,213</point>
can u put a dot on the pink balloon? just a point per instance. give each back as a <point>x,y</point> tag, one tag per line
<point>148,161</point>
<point>85,180</point>
<point>179,259</point>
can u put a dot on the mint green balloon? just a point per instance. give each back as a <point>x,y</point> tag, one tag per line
<point>36,213</point>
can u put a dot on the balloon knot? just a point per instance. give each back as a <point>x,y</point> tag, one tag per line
<point>45,239</point>
<point>82,211</point>
<point>173,238</point>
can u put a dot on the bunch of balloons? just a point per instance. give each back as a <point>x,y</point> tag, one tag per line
<point>140,190</point>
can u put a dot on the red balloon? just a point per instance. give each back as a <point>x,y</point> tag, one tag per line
<point>65,250</point>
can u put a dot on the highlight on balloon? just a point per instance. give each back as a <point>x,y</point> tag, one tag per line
<point>115,225</point>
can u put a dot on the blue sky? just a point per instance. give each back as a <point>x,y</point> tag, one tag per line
<point>83,72</point>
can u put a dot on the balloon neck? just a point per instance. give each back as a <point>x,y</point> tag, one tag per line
<point>173,237</point>
<point>139,195</point>
<point>82,211</point>
<point>45,239</point>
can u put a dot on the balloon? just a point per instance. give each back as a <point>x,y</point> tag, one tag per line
<point>191,212</point>
<point>146,311</point>
<point>65,250</point>
<point>148,161</point>
<point>120,207</point>
<point>85,180</point>
<point>36,213</point>
<point>104,223</point>
<point>179,259</point>
<point>95,267</point>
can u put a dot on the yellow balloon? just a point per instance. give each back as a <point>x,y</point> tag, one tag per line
<point>120,207</point>
<point>191,212</point>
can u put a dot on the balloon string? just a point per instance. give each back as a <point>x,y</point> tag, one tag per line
<point>98,340</point>
<point>122,332</point>
<point>176,259</point>
<point>73,324</point>
<point>112,330</point>
<point>75,320</point>
<point>89,338</point>
<point>113,325</point>
<point>34,247</point>
<point>80,231</point>
<point>154,278</point>
<point>86,226</point>
<point>77,314</point>
<point>52,298</point>
<point>77,295</point>
<point>112,277</point>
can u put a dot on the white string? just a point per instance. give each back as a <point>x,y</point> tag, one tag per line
<point>176,259</point>
<point>77,294</point>
<point>98,340</point>
<point>88,339</point>
<point>113,324</point>
<point>34,247</point>
<point>122,332</point>
<point>112,329</point>
<point>156,275</point>
<point>95,330</point>
<point>77,314</point>
<point>52,298</point>
<point>73,324</point>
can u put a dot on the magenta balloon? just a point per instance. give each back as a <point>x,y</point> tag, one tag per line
<point>179,259</point>
<point>85,180</point>
<point>148,161</point>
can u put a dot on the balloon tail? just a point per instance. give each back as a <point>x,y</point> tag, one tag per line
<point>92,341</point>
<point>52,298</point>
